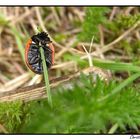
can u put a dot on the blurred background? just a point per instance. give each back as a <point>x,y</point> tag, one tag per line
<point>115,50</point>
<point>69,28</point>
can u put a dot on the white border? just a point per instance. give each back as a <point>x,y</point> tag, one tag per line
<point>69,2</point>
<point>68,137</point>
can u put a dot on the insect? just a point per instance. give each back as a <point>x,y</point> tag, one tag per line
<point>32,52</point>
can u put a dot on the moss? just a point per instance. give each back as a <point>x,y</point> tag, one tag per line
<point>12,114</point>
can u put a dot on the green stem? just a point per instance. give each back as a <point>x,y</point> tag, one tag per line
<point>122,85</point>
<point>46,76</point>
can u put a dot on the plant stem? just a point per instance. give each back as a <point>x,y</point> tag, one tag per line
<point>113,129</point>
<point>121,85</point>
<point>47,85</point>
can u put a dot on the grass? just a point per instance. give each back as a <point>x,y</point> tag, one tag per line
<point>116,66</point>
<point>124,84</point>
<point>19,42</point>
<point>46,77</point>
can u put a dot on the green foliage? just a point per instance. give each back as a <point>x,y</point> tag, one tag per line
<point>79,110</point>
<point>76,23</point>
<point>136,47</point>
<point>120,24</point>
<point>93,18</point>
<point>10,115</point>
<point>3,20</point>
<point>131,49</point>
<point>123,22</point>
<point>127,46</point>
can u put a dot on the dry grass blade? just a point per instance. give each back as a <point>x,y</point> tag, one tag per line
<point>39,91</point>
<point>15,83</point>
<point>35,80</point>
<point>22,17</point>
<point>56,16</point>
<point>43,26</point>
<point>65,49</point>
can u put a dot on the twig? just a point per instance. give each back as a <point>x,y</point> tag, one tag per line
<point>89,57</point>
<point>56,16</point>
<point>21,17</point>
<point>18,68</point>
<point>35,80</point>
<point>64,65</point>
<point>74,31</point>
<point>15,83</point>
<point>128,10</point>
<point>137,34</point>
<point>101,35</point>
<point>79,14</point>
<point>44,28</point>
<point>113,13</point>
<point>38,91</point>
<point>60,53</point>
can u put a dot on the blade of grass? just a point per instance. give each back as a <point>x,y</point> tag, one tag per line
<point>122,85</point>
<point>25,31</point>
<point>125,83</point>
<point>46,76</point>
<point>19,42</point>
<point>117,66</point>
<point>113,129</point>
<point>110,65</point>
<point>20,46</point>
